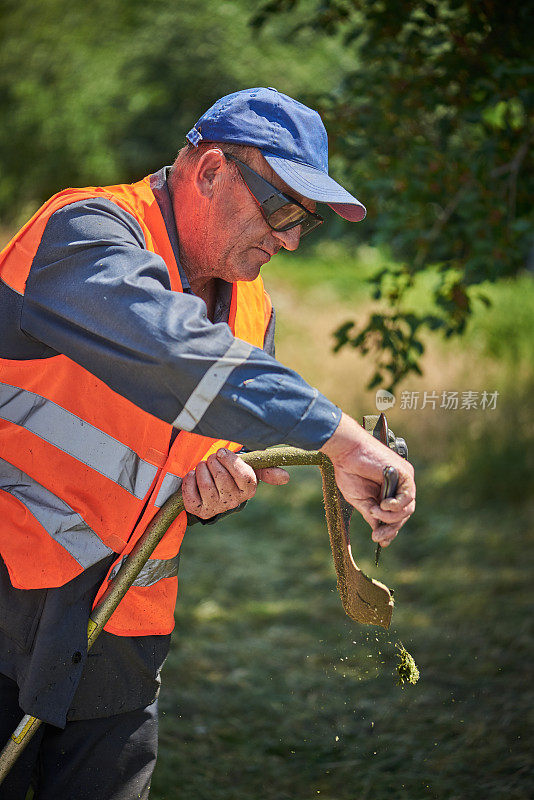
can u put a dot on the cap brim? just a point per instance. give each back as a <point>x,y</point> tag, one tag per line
<point>317,185</point>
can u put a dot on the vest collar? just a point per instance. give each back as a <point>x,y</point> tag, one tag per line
<point>160,189</point>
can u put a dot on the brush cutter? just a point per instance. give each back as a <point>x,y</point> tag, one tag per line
<point>365,600</point>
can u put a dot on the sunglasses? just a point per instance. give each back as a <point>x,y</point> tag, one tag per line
<point>280,211</point>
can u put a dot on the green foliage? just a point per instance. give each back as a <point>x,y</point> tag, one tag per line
<point>428,107</point>
<point>505,331</point>
<point>100,92</point>
<point>496,459</point>
<point>432,123</point>
<point>394,340</point>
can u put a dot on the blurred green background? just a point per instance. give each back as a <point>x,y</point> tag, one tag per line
<point>270,691</point>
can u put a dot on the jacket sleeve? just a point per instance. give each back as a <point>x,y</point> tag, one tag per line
<point>268,346</point>
<point>97,295</point>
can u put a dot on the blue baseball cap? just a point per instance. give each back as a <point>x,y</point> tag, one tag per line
<point>291,137</point>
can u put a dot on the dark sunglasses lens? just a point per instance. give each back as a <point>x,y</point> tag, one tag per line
<point>288,216</point>
<point>309,224</point>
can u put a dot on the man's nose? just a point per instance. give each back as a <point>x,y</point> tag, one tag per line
<point>290,239</point>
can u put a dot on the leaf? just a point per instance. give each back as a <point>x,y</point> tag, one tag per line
<point>376,380</point>
<point>484,299</point>
<point>270,9</point>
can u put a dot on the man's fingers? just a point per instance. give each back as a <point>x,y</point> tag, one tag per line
<point>397,504</point>
<point>223,481</point>
<point>218,484</point>
<point>402,505</point>
<point>276,476</point>
<point>401,502</point>
<point>384,534</point>
<point>242,474</point>
<point>366,507</point>
<point>191,495</point>
<point>394,514</point>
<point>405,494</point>
<point>207,489</point>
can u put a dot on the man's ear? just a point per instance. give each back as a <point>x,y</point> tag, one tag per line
<point>207,170</point>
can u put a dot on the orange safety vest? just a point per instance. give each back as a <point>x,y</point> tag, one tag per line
<point>87,461</point>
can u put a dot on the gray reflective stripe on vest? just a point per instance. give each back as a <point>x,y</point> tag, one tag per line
<point>169,485</point>
<point>78,438</point>
<point>154,570</point>
<point>58,519</point>
<point>211,384</point>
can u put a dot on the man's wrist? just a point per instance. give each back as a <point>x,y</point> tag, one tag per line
<point>346,437</point>
<point>192,519</point>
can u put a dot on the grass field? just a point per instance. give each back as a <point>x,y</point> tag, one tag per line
<point>270,691</point>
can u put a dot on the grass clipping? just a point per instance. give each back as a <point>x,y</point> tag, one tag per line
<point>406,668</point>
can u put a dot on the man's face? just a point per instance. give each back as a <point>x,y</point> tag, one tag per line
<point>237,239</point>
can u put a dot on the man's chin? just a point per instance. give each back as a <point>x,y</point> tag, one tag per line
<point>260,257</point>
<point>250,266</point>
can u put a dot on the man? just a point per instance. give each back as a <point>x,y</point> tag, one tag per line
<point>137,357</point>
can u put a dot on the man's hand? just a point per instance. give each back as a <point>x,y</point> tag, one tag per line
<point>223,482</point>
<point>359,460</point>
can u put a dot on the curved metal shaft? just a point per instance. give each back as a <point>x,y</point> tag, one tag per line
<point>364,600</point>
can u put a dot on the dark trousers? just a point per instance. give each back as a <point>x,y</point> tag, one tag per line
<point>96,759</point>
